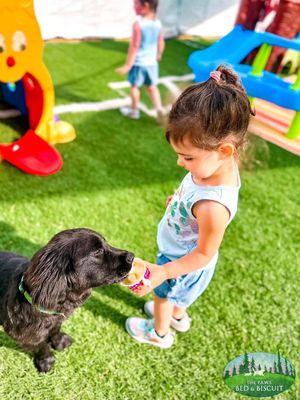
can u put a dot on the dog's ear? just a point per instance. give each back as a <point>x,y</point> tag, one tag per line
<point>49,276</point>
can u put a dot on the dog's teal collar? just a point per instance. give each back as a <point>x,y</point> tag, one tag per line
<point>36,306</point>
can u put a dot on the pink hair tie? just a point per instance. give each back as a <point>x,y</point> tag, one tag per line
<point>216,75</point>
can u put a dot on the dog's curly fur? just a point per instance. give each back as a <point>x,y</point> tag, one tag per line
<point>58,277</point>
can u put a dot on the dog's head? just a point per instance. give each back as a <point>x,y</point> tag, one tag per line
<point>74,260</point>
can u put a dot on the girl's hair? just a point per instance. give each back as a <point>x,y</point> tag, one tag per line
<point>211,112</point>
<point>153,4</point>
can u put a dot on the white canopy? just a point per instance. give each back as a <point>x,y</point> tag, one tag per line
<point>114,18</point>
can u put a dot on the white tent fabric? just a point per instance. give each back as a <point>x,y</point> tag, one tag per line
<point>75,19</point>
<point>198,17</point>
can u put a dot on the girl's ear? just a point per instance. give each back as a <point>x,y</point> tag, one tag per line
<point>227,149</point>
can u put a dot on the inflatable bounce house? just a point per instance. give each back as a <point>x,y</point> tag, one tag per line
<point>257,56</point>
<point>26,85</point>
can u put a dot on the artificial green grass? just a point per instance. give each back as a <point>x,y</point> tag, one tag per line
<point>81,72</point>
<point>115,179</point>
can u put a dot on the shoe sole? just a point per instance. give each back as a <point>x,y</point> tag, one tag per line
<point>141,340</point>
<point>176,329</point>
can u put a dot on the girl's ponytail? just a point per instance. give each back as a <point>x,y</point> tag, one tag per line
<point>229,76</point>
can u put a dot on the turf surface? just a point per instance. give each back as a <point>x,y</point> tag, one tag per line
<point>115,179</point>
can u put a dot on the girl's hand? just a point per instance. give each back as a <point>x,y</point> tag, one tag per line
<point>158,275</point>
<point>169,199</point>
<point>123,70</point>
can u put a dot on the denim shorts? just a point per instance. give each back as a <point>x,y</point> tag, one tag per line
<point>183,291</point>
<point>147,75</point>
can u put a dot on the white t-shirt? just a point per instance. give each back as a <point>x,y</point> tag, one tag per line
<point>178,230</point>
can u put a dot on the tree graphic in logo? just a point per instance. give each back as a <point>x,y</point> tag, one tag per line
<point>259,374</point>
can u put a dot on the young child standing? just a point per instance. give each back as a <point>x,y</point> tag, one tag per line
<point>145,50</point>
<point>207,127</point>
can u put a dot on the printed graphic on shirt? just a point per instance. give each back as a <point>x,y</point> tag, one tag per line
<point>180,215</point>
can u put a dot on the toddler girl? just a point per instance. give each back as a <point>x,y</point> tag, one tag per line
<point>145,50</point>
<point>206,128</point>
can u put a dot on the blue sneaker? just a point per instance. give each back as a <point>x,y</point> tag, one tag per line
<point>143,331</point>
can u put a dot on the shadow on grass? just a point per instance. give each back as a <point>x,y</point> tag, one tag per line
<point>124,295</point>
<point>99,308</point>
<point>11,241</point>
<point>18,124</point>
<point>6,341</point>
<point>104,309</point>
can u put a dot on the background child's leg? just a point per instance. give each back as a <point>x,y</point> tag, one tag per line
<point>154,96</point>
<point>163,311</point>
<point>135,97</point>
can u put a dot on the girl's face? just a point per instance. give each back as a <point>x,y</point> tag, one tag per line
<point>140,9</point>
<point>202,164</point>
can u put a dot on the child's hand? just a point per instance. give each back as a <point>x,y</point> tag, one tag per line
<point>123,70</point>
<point>157,276</point>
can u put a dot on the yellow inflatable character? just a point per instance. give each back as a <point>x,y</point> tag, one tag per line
<point>24,79</point>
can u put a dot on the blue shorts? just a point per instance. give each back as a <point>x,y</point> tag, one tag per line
<point>139,76</point>
<point>183,291</point>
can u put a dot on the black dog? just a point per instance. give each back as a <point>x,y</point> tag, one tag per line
<point>37,295</point>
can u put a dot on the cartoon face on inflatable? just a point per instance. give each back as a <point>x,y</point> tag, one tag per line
<point>25,83</point>
<point>21,45</point>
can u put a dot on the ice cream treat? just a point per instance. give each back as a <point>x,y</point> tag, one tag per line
<point>138,276</point>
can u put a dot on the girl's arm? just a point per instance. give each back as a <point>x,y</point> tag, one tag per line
<point>132,50</point>
<point>160,46</point>
<point>212,218</point>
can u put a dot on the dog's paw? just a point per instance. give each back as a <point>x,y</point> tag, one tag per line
<point>44,364</point>
<point>61,341</point>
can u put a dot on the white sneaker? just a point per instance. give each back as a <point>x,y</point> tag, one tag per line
<point>182,325</point>
<point>143,331</point>
<point>130,113</point>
